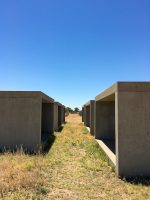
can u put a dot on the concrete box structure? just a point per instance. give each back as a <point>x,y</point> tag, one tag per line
<point>59,115</point>
<point>63,114</point>
<point>88,115</point>
<point>56,116</point>
<point>122,127</point>
<point>26,119</point>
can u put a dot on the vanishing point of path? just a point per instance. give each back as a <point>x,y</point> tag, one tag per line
<point>74,169</point>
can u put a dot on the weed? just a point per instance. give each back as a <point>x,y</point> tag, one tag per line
<point>41,190</point>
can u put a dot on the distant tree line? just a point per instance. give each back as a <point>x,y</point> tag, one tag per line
<point>72,111</point>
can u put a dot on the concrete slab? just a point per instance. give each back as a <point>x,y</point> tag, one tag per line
<point>108,152</point>
<point>88,129</point>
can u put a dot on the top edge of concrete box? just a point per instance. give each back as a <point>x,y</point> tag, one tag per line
<point>59,104</point>
<point>26,94</point>
<point>89,102</point>
<point>123,87</point>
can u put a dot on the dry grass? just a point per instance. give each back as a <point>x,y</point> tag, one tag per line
<point>73,119</point>
<point>74,168</point>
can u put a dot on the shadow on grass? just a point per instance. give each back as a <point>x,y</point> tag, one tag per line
<point>61,128</point>
<point>47,144</point>
<point>143,181</point>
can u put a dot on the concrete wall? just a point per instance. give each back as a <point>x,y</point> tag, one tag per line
<point>63,114</point>
<point>92,116</point>
<point>87,115</point>
<point>133,133</point>
<point>55,116</point>
<point>84,115</point>
<point>105,120</point>
<point>59,116</point>
<point>123,112</point>
<point>24,117</point>
<point>20,122</point>
<point>47,118</point>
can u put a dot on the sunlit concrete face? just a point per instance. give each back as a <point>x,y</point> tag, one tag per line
<point>25,119</point>
<point>92,117</point>
<point>122,122</point>
<point>56,116</point>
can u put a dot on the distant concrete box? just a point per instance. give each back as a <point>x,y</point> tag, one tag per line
<point>59,115</point>
<point>26,118</point>
<point>63,114</point>
<point>56,116</point>
<point>88,115</point>
<point>82,113</point>
<point>122,127</point>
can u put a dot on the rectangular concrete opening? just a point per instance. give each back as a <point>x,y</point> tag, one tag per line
<point>105,124</point>
<point>47,120</point>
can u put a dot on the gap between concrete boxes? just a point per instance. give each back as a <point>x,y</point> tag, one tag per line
<point>27,118</point>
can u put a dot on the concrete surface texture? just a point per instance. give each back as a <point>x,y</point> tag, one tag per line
<point>122,117</point>
<point>63,114</point>
<point>60,117</point>
<point>25,118</point>
<point>57,116</point>
<point>92,117</point>
<point>88,115</point>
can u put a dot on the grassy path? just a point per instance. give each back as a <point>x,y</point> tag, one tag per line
<point>74,169</point>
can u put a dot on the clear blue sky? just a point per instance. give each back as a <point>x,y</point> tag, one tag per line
<point>73,49</point>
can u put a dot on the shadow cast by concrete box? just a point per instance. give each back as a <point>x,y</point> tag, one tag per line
<point>44,148</point>
<point>48,143</point>
<point>144,181</point>
<point>60,129</point>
